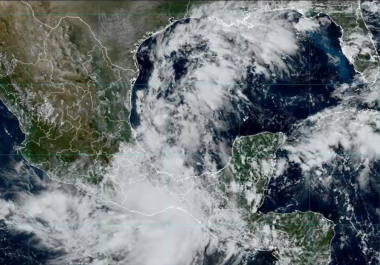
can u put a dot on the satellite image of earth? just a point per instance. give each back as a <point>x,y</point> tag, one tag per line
<point>190,132</point>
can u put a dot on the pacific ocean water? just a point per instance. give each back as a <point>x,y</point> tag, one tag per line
<point>17,177</point>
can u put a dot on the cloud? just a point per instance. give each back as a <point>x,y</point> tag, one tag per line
<point>338,132</point>
<point>307,24</point>
<point>158,202</point>
<point>82,228</point>
<point>191,91</point>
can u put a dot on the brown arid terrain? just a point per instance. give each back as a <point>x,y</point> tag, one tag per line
<point>66,71</point>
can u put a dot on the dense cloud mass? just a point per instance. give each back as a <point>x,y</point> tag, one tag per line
<point>331,163</point>
<point>196,92</point>
<point>203,81</point>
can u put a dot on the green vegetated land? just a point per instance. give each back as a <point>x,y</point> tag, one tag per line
<point>308,235</point>
<point>346,14</point>
<point>68,92</point>
<point>250,166</point>
<point>70,96</point>
<point>300,237</point>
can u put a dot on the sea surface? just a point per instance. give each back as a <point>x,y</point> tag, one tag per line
<point>17,177</point>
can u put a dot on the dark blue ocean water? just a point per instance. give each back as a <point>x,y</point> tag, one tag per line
<point>353,211</point>
<point>276,108</point>
<point>275,111</point>
<point>17,247</point>
<point>356,229</point>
